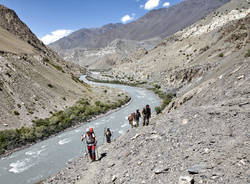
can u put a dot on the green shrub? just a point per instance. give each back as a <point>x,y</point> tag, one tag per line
<point>221,55</point>
<point>166,99</point>
<point>50,85</point>
<point>19,106</point>
<point>30,111</point>
<point>16,113</point>
<point>97,103</point>
<point>157,86</point>
<point>247,54</point>
<point>158,110</point>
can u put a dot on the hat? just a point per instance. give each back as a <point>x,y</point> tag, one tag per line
<point>91,130</point>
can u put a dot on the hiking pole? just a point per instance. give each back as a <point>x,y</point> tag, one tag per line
<point>86,151</point>
<point>97,154</point>
<point>103,135</point>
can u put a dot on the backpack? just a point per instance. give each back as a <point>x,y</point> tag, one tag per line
<point>108,133</point>
<point>90,139</point>
<point>137,115</point>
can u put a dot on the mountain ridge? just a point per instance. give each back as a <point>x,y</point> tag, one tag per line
<point>151,25</point>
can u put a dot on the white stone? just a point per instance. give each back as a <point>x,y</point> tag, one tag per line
<point>184,121</point>
<point>186,180</point>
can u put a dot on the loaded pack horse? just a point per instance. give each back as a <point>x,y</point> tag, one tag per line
<point>131,119</point>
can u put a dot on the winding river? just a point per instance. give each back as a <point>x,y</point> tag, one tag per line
<point>48,157</point>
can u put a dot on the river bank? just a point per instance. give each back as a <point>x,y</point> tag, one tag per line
<point>8,153</point>
<point>82,111</point>
<point>41,160</point>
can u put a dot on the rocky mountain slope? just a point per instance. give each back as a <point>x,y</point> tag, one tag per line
<point>203,134</point>
<point>203,139</point>
<point>105,58</point>
<point>157,23</point>
<point>197,50</point>
<point>34,81</point>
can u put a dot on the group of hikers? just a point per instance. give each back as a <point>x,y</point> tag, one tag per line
<point>134,118</point>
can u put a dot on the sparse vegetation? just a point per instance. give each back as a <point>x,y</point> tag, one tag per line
<point>247,54</point>
<point>221,55</point>
<point>1,86</point>
<point>77,80</point>
<point>43,128</point>
<point>50,85</point>
<point>58,67</point>
<point>115,81</point>
<point>166,99</point>
<point>204,49</point>
<point>16,113</point>
<point>157,86</point>
<point>19,106</point>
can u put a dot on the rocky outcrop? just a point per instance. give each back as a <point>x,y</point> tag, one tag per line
<point>11,22</point>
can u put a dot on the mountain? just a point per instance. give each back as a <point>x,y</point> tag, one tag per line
<point>157,23</point>
<point>105,58</point>
<point>34,81</point>
<point>192,52</point>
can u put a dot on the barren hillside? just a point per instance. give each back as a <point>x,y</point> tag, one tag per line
<point>219,40</point>
<point>34,81</point>
<point>106,58</point>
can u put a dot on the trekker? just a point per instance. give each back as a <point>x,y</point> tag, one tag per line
<point>147,114</point>
<point>143,116</point>
<point>137,117</point>
<point>91,141</point>
<point>108,135</point>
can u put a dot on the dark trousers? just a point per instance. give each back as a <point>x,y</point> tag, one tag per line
<point>91,150</point>
<point>145,121</point>
<point>108,138</point>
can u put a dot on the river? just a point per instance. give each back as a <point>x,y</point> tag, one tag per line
<point>48,157</point>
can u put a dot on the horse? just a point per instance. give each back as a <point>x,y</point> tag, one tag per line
<point>131,119</point>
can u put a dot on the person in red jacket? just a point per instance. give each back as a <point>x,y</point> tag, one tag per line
<point>91,142</point>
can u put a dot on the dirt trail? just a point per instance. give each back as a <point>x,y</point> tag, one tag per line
<point>89,175</point>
